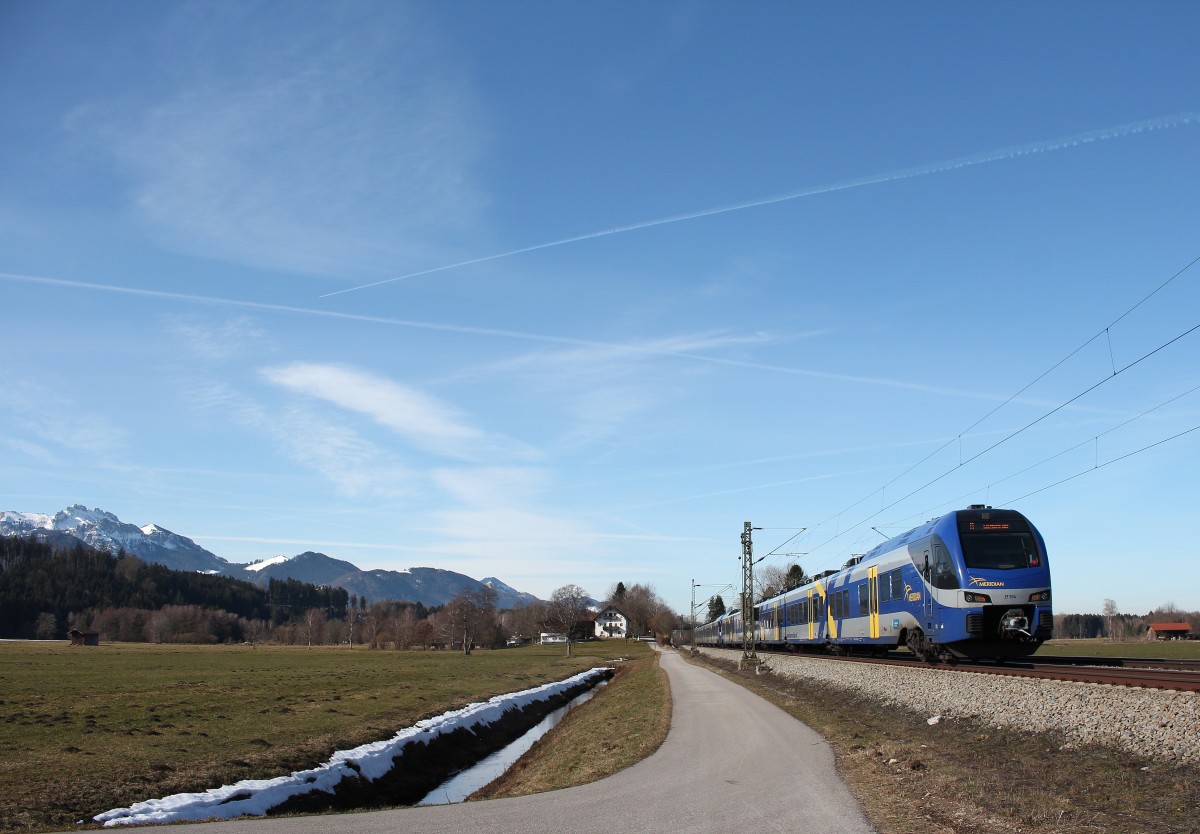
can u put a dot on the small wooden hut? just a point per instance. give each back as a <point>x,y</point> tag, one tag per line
<point>84,638</point>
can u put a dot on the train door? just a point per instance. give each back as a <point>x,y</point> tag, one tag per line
<point>811,617</point>
<point>927,591</point>
<point>873,600</point>
<point>832,612</point>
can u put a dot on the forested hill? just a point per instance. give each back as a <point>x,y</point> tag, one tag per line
<point>45,590</point>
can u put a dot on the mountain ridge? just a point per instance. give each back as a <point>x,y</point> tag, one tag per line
<point>152,543</point>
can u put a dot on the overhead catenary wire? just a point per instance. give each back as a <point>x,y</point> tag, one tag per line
<point>1103,331</point>
<point>1107,463</point>
<point>1115,373</point>
<point>1094,439</point>
<point>1009,436</point>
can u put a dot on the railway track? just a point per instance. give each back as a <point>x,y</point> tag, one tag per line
<point>1182,675</point>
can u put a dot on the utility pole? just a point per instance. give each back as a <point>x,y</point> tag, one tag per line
<point>693,614</point>
<point>748,623</point>
<point>694,587</point>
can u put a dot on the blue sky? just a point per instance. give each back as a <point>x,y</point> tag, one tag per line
<point>568,292</point>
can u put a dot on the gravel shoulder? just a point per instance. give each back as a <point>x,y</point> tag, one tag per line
<point>1047,758</point>
<point>1156,723</point>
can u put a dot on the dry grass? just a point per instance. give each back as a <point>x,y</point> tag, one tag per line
<point>623,724</point>
<point>1168,649</point>
<point>960,777</point>
<point>84,730</point>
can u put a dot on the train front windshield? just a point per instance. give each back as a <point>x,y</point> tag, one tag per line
<point>997,540</point>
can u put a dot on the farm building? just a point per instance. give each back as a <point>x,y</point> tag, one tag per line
<point>1168,631</point>
<point>84,638</point>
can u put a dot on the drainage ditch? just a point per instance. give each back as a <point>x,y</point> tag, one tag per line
<point>404,770</point>
<point>425,766</point>
<point>461,785</point>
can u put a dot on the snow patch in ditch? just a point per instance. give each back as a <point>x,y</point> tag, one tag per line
<point>255,797</point>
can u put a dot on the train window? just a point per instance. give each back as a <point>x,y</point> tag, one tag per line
<point>997,540</point>
<point>864,599</point>
<point>999,551</point>
<point>942,573</point>
<point>897,583</point>
<point>885,589</point>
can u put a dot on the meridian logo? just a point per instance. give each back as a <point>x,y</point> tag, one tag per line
<point>986,583</point>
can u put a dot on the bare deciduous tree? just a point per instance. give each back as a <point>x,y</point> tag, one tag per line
<point>313,618</point>
<point>568,605</point>
<point>470,615</point>
<point>524,622</point>
<point>1111,613</point>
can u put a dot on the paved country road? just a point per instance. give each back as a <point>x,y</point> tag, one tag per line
<point>732,762</point>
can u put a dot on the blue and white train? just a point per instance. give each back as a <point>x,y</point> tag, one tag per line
<point>974,583</point>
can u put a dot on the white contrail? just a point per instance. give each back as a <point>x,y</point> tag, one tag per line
<point>1010,152</point>
<point>645,350</point>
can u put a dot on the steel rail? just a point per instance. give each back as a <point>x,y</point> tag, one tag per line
<point>1112,674</point>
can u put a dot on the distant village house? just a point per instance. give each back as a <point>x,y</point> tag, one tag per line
<point>611,623</point>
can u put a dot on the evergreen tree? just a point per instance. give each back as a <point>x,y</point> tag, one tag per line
<point>716,608</point>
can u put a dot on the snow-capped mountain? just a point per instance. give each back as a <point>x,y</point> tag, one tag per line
<point>504,592</point>
<point>431,586</point>
<point>316,568</point>
<point>104,531</point>
<point>151,543</point>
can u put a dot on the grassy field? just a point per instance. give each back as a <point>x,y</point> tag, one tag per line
<point>1166,649</point>
<point>83,730</point>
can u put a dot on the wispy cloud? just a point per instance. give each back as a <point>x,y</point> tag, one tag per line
<point>416,416</point>
<point>56,422</point>
<point>354,465</point>
<point>217,342</point>
<point>282,146</point>
<point>495,515</point>
<point>32,451</point>
<point>630,347</point>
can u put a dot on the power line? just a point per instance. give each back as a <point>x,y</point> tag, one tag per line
<point>1108,463</point>
<point>1103,332</point>
<point>1056,455</point>
<point>1011,435</point>
<point>1116,372</point>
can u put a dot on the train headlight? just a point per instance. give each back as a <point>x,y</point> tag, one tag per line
<point>1040,596</point>
<point>970,596</point>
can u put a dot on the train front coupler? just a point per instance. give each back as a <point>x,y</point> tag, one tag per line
<point>1014,625</point>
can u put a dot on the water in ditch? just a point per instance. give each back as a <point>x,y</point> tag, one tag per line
<point>464,783</point>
